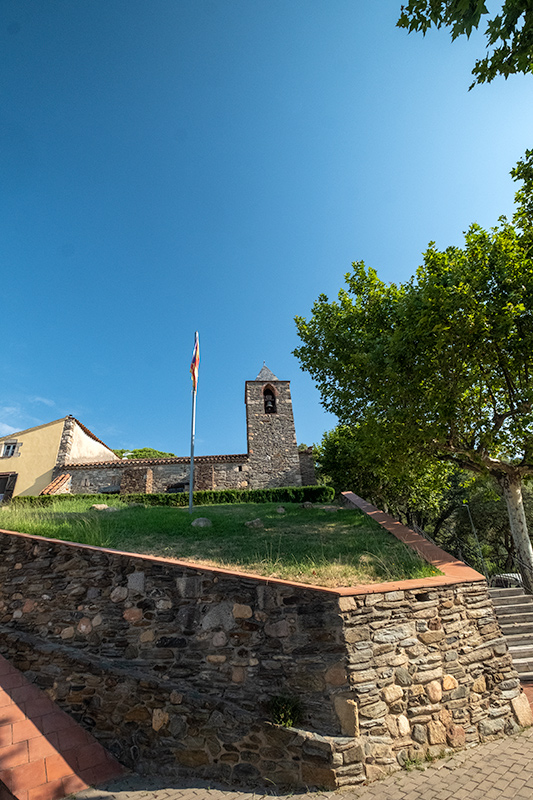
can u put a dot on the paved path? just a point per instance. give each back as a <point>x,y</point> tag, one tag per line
<point>500,770</point>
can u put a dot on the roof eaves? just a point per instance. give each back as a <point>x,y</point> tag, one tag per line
<point>28,430</point>
<point>146,462</point>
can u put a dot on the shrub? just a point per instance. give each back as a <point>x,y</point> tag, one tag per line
<point>285,710</point>
<point>282,494</point>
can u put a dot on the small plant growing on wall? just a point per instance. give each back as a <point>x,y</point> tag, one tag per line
<point>285,710</point>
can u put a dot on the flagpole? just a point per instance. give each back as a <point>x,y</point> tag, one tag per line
<point>194,375</point>
<point>193,426</point>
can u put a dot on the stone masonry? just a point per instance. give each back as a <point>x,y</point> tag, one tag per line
<point>220,472</point>
<point>307,467</point>
<point>428,670</point>
<point>65,444</point>
<point>272,447</point>
<point>137,480</point>
<point>172,666</point>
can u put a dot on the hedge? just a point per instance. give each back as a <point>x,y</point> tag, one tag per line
<point>282,494</point>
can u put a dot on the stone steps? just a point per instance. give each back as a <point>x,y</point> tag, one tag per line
<point>518,640</point>
<point>515,600</point>
<point>515,618</point>
<point>523,665</point>
<point>520,650</point>
<point>514,610</point>
<point>520,629</point>
<point>499,594</point>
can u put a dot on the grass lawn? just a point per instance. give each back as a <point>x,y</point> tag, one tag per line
<point>316,546</point>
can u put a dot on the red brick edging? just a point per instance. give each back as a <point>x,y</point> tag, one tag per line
<point>454,571</point>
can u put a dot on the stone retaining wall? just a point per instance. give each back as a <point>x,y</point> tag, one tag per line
<point>226,635</point>
<point>174,665</point>
<point>152,726</point>
<point>429,670</point>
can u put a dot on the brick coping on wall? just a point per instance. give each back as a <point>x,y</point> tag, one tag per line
<point>122,463</point>
<point>454,571</point>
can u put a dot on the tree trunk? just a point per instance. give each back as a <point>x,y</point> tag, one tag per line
<point>441,519</point>
<point>511,486</point>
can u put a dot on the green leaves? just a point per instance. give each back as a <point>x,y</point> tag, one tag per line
<point>143,452</point>
<point>444,359</point>
<point>437,369</point>
<point>462,16</point>
<point>373,459</point>
<point>509,33</point>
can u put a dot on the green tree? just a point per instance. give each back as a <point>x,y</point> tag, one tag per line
<point>143,452</point>
<point>444,358</point>
<point>479,527</point>
<point>509,32</point>
<point>412,488</point>
<point>523,216</point>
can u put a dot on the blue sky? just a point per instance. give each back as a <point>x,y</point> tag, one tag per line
<point>174,165</point>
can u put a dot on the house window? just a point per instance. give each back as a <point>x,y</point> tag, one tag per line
<point>11,449</point>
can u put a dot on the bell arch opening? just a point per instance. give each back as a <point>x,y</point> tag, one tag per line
<point>269,399</point>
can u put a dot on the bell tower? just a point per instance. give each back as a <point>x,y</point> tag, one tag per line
<point>272,447</point>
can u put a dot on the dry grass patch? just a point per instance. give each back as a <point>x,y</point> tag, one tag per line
<point>315,546</point>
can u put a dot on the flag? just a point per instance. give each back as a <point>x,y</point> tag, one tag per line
<point>195,362</point>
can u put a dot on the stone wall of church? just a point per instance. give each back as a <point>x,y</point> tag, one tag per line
<point>137,481</point>
<point>128,477</point>
<point>92,480</point>
<point>272,459</point>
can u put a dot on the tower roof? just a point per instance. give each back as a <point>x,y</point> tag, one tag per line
<point>266,374</point>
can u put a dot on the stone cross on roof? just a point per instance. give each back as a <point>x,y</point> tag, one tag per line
<point>266,374</point>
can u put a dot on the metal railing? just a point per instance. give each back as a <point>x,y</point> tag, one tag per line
<point>519,574</point>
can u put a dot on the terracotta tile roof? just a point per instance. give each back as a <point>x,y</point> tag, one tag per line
<point>56,484</point>
<point>147,462</point>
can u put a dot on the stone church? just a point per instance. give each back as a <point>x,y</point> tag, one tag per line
<point>65,457</point>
